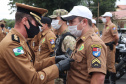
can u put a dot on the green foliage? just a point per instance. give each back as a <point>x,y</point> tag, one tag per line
<point>9,23</point>
<point>104,6</point>
<point>51,5</point>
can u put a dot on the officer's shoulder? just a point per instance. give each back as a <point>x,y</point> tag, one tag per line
<point>50,34</point>
<point>113,25</point>
<point>95,38</point>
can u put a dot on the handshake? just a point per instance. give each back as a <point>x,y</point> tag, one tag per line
<point>63,62</point>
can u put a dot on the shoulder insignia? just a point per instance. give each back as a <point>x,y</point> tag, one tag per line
<point>19,50</point>
<point>82,47</point>
<point>113,28</point>
<point>15,38</point>
<point>96,50</point>
<point>51,40</point>
<point>96,63</point>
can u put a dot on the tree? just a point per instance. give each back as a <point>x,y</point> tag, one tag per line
<point>51,5</point>
<point>9,23</point>
<point>104,6</point>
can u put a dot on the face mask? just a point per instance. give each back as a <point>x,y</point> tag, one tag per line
<point>73,30</point>
<point>32,31</point>
<point>2,25</point>
<point>104,20</point>
<point>55,24</point>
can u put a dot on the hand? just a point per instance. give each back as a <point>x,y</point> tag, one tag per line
<point>64,65</point>
<point>60,57</point>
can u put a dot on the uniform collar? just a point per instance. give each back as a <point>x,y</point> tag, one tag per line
<point>45,32</point>
<point>86,35</point>
<point>108,23</point>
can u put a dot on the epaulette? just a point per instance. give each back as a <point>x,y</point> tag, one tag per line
<point>94,37</point>
<point>15,38</point>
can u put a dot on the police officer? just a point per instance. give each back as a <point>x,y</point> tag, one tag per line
<point>3,30</point>
<point>47,41</point>
<point>89,54</point>
<point>94,27</point>
<point>16,60</point>
<point>65,41</point>
<point>110,38</point>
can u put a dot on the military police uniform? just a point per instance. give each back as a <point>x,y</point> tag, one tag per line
<point>89,56</point>
<point>109,31</point>
<point>3,31</point>
<point>17,59</point>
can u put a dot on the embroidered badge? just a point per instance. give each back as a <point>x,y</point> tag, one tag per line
<point>96,32</point>
<point>107,27</point>
<point>43,40</point>
<point>114,28</point>
<point>96,50</point>
<point>52,41</point>
<point>96,63</point>
<point>19,50</point>
<point>82,47</point>
<point>53,46</point>
<point>41,77</point>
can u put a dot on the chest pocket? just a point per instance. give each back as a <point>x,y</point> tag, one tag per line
<point>79,60</point>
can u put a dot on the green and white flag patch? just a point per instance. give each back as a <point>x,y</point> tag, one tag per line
<point>17,51</point>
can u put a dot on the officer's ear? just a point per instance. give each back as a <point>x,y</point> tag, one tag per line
<point>84,22</point>
<point>24,20</point>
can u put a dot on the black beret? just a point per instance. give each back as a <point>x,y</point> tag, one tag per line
<point>45,20</point>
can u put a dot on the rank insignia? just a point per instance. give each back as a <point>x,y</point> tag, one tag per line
<point>52,41</point>
<point>82,47</point>
<point>43,40</point>
<point>53,46</point>
<point>15,38</point>
<point>96,63</point>
<point>96,50</point>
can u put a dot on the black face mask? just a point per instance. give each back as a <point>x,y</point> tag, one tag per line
<point>2,25</point>
<point>32,31</point>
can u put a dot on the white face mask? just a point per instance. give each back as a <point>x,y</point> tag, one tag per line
<point>73,30</point>
<point>55,24</point>
<point>104,20</point>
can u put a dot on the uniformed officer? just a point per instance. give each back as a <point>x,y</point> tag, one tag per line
<point>3,30</point>
<point>90,51</point>
<point>65,41</point>
<point>16,58</point>
<point>110,38</point>
<point>47,42</point>
<point>94,27</point>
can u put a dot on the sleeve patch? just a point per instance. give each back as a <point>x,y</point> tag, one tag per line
<point>52,41</point>
<point>96,50</point>
<point>19,50</point>
<point>114,28</point>
<point>96,63</point>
